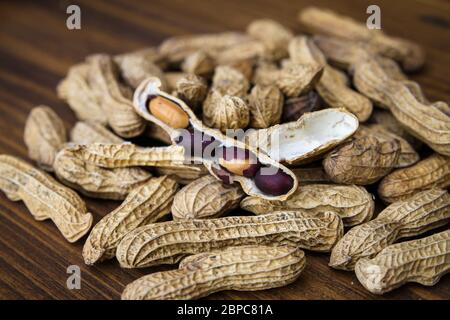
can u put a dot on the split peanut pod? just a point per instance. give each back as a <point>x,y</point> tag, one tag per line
<point>305,139</point>
<point>432,172</point>
<point>423,261</point>
<point>226,158</point>
<point>144,204</point>
<point>352,203</point>
<point>243,268</point>
<point>168,242</point>
<point>44,197</point>
<point>423,212</point>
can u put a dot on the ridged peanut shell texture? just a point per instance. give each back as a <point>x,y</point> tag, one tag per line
<point>115,98</point>
<point>424,211</point>
<point>333,85</point>
<point>176,49</point>
<point>206,197</point>
<point>77,90</point>
<point>362,161</point>
<point>225,112</point>
<point>44,135</point>
<point>168,242</point>
<point>85,132</point>
<point>147,203</point>
<point>323,21</point>
<point>243,268</point>
<point>183,173</point>
<point>352,203</point>
<point>44,197</point>
<point>423,261</point>
<point>95,181</point>
<point>274,36</point>
<point>432,172</point>
<point>229,81</point>
<point>407,157</point>
<point>426,122</point>
<point>266,105</point>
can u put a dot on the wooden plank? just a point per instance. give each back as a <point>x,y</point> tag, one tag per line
<point>36,51</point>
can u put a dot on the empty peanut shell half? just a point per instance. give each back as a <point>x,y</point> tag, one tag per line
<point>308,137</point>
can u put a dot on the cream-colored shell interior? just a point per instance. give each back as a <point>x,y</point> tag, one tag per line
<point>307,137</point>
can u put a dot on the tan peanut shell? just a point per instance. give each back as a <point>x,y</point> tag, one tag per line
<point>44,136</point>
<point>385,119</point>
<point>168,242</point>
<point>295,79</point>
<point>172,78</point>
<point>327,22</point>
<point>205,197</point>
<point>199,63</point>
<point>432,172</point>
<point>408,156</point>
<point>273,35</point>
<point>344,54</point>
<point>137,65</point>
<point>77,90</point>
<point>333,85</point>
<point>305,139</point>
<point>427,123</point>
<point>144,204</point>
<point>95,181</point>
<point>229,81</point>
<point>192,90</point>
<point>240,268</point>
<point>423,261</point>
<point>247,52</point>
<point>265,105</point>
<point>362,161</point>
<point>352,203</point>
<point>183,173</point>
<point>312,175</point>
<point>150,87</point>
<point>115,98</point>
<point>337,94</point>
<point>153,131</point>
<point>85,132</point>
<point>44,197</point>
<point>425,211</point>
<point>128,155</point>
<point>176,49</point>
<point>225,112</point>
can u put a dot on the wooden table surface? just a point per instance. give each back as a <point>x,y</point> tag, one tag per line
<point>36,49</point>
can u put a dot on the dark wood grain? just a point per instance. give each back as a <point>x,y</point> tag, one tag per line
<point>36,49</point>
